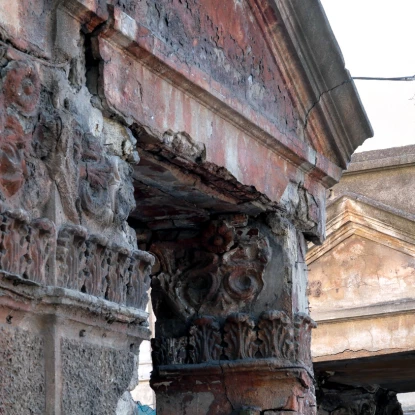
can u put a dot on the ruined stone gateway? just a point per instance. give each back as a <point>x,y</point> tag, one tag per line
<point>182,144</point>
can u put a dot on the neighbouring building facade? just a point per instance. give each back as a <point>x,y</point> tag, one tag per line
<point>362,288</point>
<point>182,144</point>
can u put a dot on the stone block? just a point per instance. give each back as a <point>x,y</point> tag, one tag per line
<point>22,372</point>
<point>93,378</point>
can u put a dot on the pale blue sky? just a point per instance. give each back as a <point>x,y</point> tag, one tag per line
<point>376,37</point>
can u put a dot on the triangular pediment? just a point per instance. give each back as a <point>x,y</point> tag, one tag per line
<point>279,57</point>
<point>228,43</point>
<point>271,67</point>
<point>353,214</point>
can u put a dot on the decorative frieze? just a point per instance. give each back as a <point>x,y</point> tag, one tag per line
<point>25,246</point>
<point>239,337</point>
<point>31,250</point>
<point>55,161</point>
<point>93,265</point>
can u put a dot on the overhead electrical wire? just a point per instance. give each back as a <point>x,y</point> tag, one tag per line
<point>368,78</point>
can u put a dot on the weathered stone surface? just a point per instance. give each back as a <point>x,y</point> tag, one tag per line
<point>22,372</point>
<point>199,284</point>
<point>94,378</point>
<point>384,176</point>
<point>221,40</point>
<point>55,339</point>
<point>216,387</point>
<point>340,399</point>
<point>86,263</point>
<point>230,113</point>
<point>126,405</point>
<point>204,275</point>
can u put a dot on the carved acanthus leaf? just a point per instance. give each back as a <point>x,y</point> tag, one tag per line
<point>70,256</point>
<point>25,246</point>
<point>205,340</point>
<point>273,336</point>
<point>303,324</point>
<point>41,250</point>
<point>169,351</point>
<point>240,337</point>
<point>277,335</point>
<point>92,265</point>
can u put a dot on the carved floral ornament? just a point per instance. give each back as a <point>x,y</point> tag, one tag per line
<point>218,272</point>
<point>49,144</point>
<point>91,264</point>
<point>204,281</point>
<point>21,87</point>
<point>88,263</point>
<point>25,245</point>
<point>19,98</point>
<point>43,144</point>
<point>274,335</point>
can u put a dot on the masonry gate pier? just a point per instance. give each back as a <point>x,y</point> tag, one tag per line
<point>182,144</point>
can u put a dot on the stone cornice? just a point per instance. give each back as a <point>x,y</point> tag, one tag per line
<point>389,308</point>
<point>23,295</point>
<point>378,334</point>
<point>366,211</point>
<point>363,165</point>
<point>319,76</point>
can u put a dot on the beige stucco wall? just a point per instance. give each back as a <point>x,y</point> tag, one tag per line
<point>362,279</point>
<point>360,272</point>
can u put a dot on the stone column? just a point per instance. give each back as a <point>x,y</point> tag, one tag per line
<point>339,399</point>
<point>231,336</point>
<point>73,285</point>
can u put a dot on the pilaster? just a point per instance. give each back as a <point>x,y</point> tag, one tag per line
<point>229,330</point>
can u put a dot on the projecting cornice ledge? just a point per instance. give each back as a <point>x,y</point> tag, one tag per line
<point>333,103</point>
